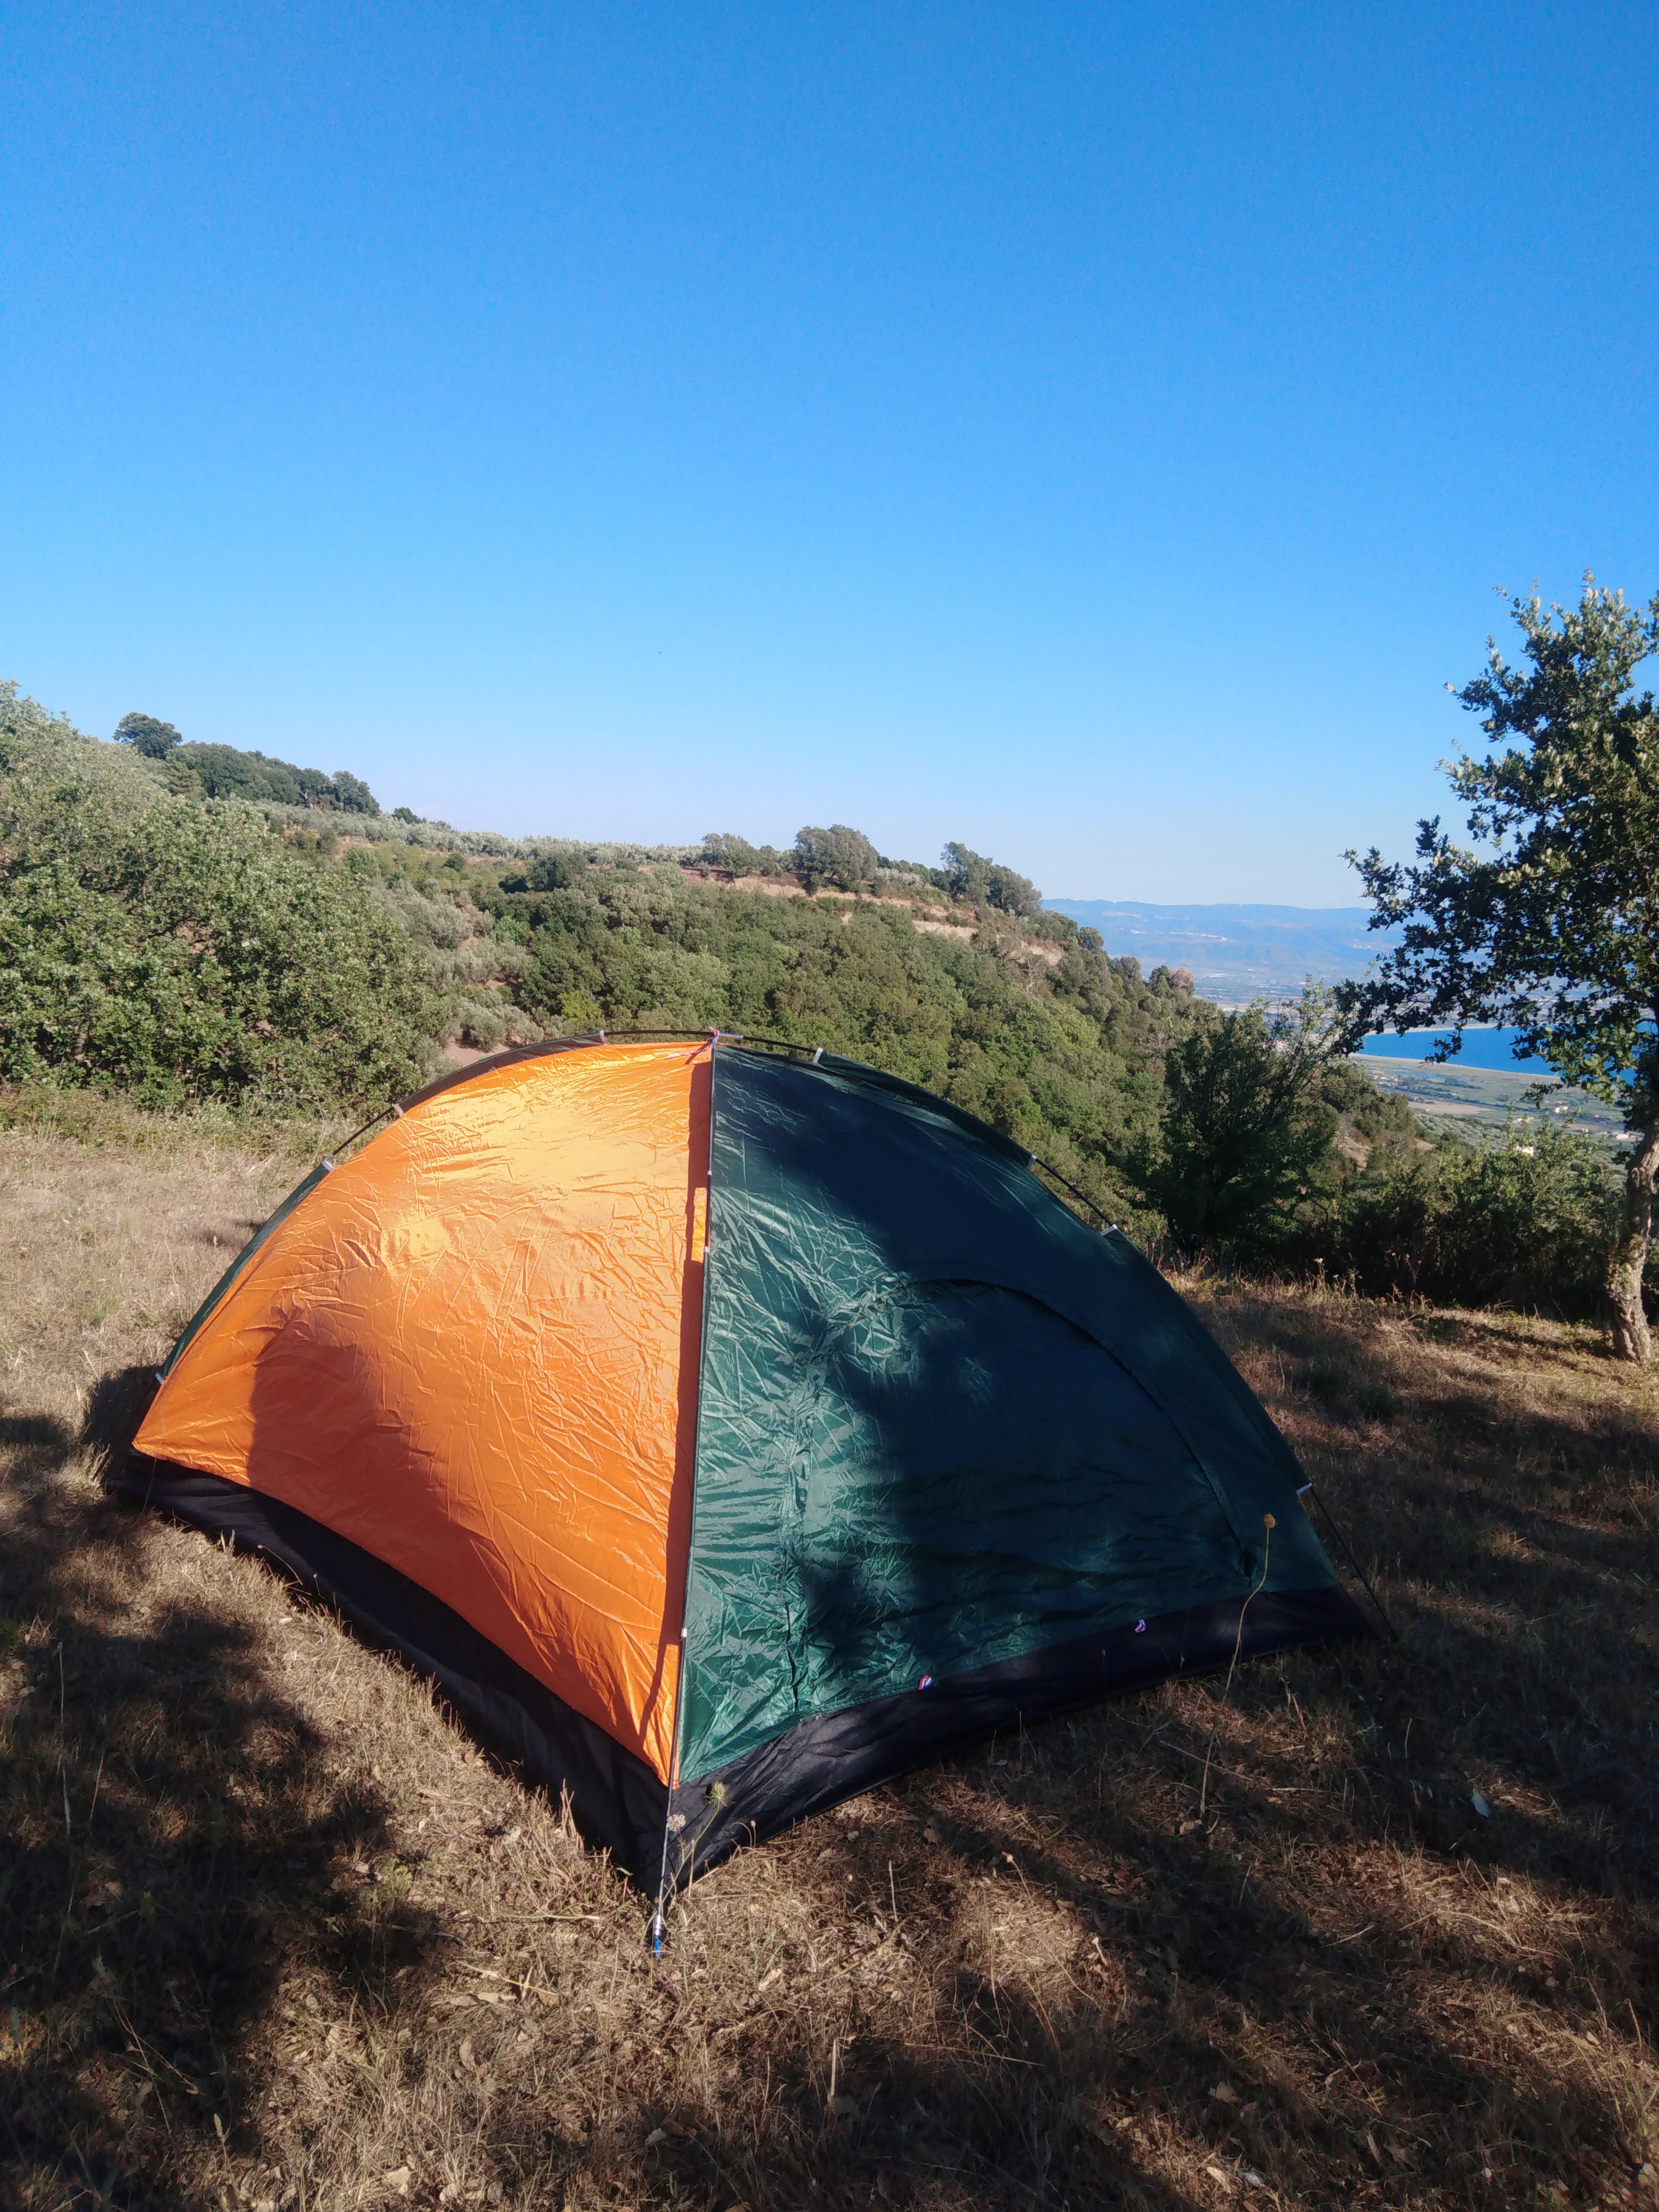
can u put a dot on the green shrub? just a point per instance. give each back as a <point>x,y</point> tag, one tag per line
<point>1524,1222</point>
<point>1244,1129</point>
<point>182,952</point>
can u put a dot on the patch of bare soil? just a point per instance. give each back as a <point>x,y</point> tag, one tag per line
<point>274,1932</point>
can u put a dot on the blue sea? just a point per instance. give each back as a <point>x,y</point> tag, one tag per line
<point>1487,1048</point>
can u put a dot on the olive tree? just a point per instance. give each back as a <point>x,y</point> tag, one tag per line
<point>1550,922</point>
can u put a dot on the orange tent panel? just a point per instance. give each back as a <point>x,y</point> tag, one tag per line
<point>473,1350</point>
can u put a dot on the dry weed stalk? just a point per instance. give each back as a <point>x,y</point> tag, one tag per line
<point>1268,1524</point>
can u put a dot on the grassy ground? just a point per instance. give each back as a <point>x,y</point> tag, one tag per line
<point>273,1932</point>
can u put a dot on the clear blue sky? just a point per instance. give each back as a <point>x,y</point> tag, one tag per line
<point>1093,432</point>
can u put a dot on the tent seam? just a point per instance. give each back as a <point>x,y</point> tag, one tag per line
<point>657,1928</point>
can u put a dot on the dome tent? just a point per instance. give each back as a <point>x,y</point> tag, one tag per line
<point>727,1431</point>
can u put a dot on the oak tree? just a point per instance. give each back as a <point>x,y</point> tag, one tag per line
<point>1549,923</point>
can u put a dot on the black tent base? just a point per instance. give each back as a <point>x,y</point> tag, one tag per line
<point>616,1801</point>
<point>821,1762</point>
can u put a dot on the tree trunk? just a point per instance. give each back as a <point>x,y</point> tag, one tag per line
<point>1629,1257</point>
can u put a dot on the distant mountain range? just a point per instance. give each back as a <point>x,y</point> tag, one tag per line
<point>1236,952</point>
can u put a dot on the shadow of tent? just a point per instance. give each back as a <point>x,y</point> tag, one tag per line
<point>171,1838</point>
<point>115,1409</point>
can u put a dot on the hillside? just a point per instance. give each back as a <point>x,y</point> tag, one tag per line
<point>224,951</point>
<point>275,1933</point>
<point>262,958</point>
<point>1233,953</point>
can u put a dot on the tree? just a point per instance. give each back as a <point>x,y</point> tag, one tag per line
<point>970,875</point>
<point>312,787</point>
<point>731,855</point>
<point>352,793</point>
<point>838,856</point>
<point>555,872</point>
<point>155,740</point>
<point>1244,1127</point>
<point>1551,927</point>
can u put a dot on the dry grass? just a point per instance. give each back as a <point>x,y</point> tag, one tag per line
<point>274,1932</point>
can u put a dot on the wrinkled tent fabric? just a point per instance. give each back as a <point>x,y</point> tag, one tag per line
<point>727,1432</point>
<point>471,1352</point>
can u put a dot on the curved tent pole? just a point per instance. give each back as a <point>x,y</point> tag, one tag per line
<point>395,1112</point>
<point>659,1926</point>
<point>1042,1168</point>
<point>1331,1522</point>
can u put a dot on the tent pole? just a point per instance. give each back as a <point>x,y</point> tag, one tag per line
<point>1308,1490</point>
<point>659,1927</point>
